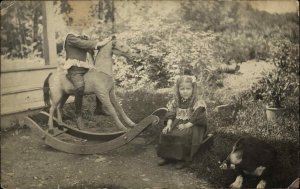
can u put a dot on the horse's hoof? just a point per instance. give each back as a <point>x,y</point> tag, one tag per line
<point>101,112</point>
<point>51,131</point>
<point>125,129</point>
<point>79,126</point>
<point>60,126</point>
<point>79,123</point>
<point>131,126</point>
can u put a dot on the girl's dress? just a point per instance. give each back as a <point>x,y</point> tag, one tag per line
<point>183,144</point>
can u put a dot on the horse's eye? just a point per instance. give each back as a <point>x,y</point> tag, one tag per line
<point>122,46</point>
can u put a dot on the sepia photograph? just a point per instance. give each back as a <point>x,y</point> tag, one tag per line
<point>149,94</point>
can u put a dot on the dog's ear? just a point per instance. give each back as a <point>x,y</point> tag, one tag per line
<point>239,144</point>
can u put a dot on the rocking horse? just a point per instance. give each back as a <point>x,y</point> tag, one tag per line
<point>57,88</point>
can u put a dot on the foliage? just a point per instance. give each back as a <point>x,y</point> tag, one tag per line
<point>163,52</point>
<point>245,33</point>
<point>251,119</point>
<point>63,8</point>
<point>61,18</point>
<point>204,34</point>
<point>284,81</point>
<point>103,10</point>
<point>22,27</point>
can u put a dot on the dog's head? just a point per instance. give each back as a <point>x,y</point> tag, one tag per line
<point>235,157</point>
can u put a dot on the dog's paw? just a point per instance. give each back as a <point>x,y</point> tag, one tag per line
<point>232,166</point>
<point>223,166</point>
<point>237,184</point>
<point>261,185</point>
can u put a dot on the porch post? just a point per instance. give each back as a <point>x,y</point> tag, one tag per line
<point>49,45</point>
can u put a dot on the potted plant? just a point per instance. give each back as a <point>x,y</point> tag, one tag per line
<point>282,82</point>
<point>275,92</point>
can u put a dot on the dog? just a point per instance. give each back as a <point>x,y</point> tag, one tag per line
<point>250,156</point>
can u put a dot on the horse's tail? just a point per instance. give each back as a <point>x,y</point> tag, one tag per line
<point>46,91</point>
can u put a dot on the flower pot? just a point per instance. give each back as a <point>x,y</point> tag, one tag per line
<point>274,113</point>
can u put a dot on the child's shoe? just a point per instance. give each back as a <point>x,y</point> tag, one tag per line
<point>162,162</point>
<point>180,165</point>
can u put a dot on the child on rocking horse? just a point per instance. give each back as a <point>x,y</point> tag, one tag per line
<point>77,48</point>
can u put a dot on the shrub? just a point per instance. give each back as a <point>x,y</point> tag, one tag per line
<point>165,49</point>
<point>252,120</point>
<point>276,87</point>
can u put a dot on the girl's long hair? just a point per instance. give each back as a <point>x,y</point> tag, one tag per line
<point>190,79</point>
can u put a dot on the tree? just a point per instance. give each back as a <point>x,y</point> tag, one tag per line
<point>20,29</point>
<point>104,10</point>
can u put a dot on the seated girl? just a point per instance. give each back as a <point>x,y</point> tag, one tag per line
<point>186,124</point>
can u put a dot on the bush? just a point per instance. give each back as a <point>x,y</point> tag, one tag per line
<point>251,119</point>
<point>22,28</point>
<point>276,87</point>
<point>243,32</point>
<point>166,49</point>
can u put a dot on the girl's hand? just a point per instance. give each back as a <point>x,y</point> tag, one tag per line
<point>166,129</point>
<point>185,126</point>
<point>182,126</point>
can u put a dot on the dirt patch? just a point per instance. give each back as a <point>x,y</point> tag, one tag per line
<point>27,163</point>
<point>250,72</point>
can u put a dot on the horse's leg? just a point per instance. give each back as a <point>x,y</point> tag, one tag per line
<point>100,110</point>
<point>51,113</point>
<point>119,108</point>
<point>62,101</point>
<point>50,120</point>
<point>105,99</point>
<point>56,95</point>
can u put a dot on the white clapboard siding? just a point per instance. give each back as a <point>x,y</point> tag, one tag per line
<point>12,80</point>
<point>22,89</point>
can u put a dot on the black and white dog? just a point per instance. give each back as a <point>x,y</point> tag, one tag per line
<point>250,156</point>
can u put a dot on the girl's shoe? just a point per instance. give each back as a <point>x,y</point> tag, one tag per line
<point>180,165</point>
<point>162,162</point>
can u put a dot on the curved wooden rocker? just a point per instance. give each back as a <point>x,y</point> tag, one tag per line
<point>44,116</point>
<point>73,148</point>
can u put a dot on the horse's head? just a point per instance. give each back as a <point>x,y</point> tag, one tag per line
<point>121,48</point>
<point>103,59</point>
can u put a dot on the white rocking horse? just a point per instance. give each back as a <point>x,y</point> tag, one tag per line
<point>99,81</point>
